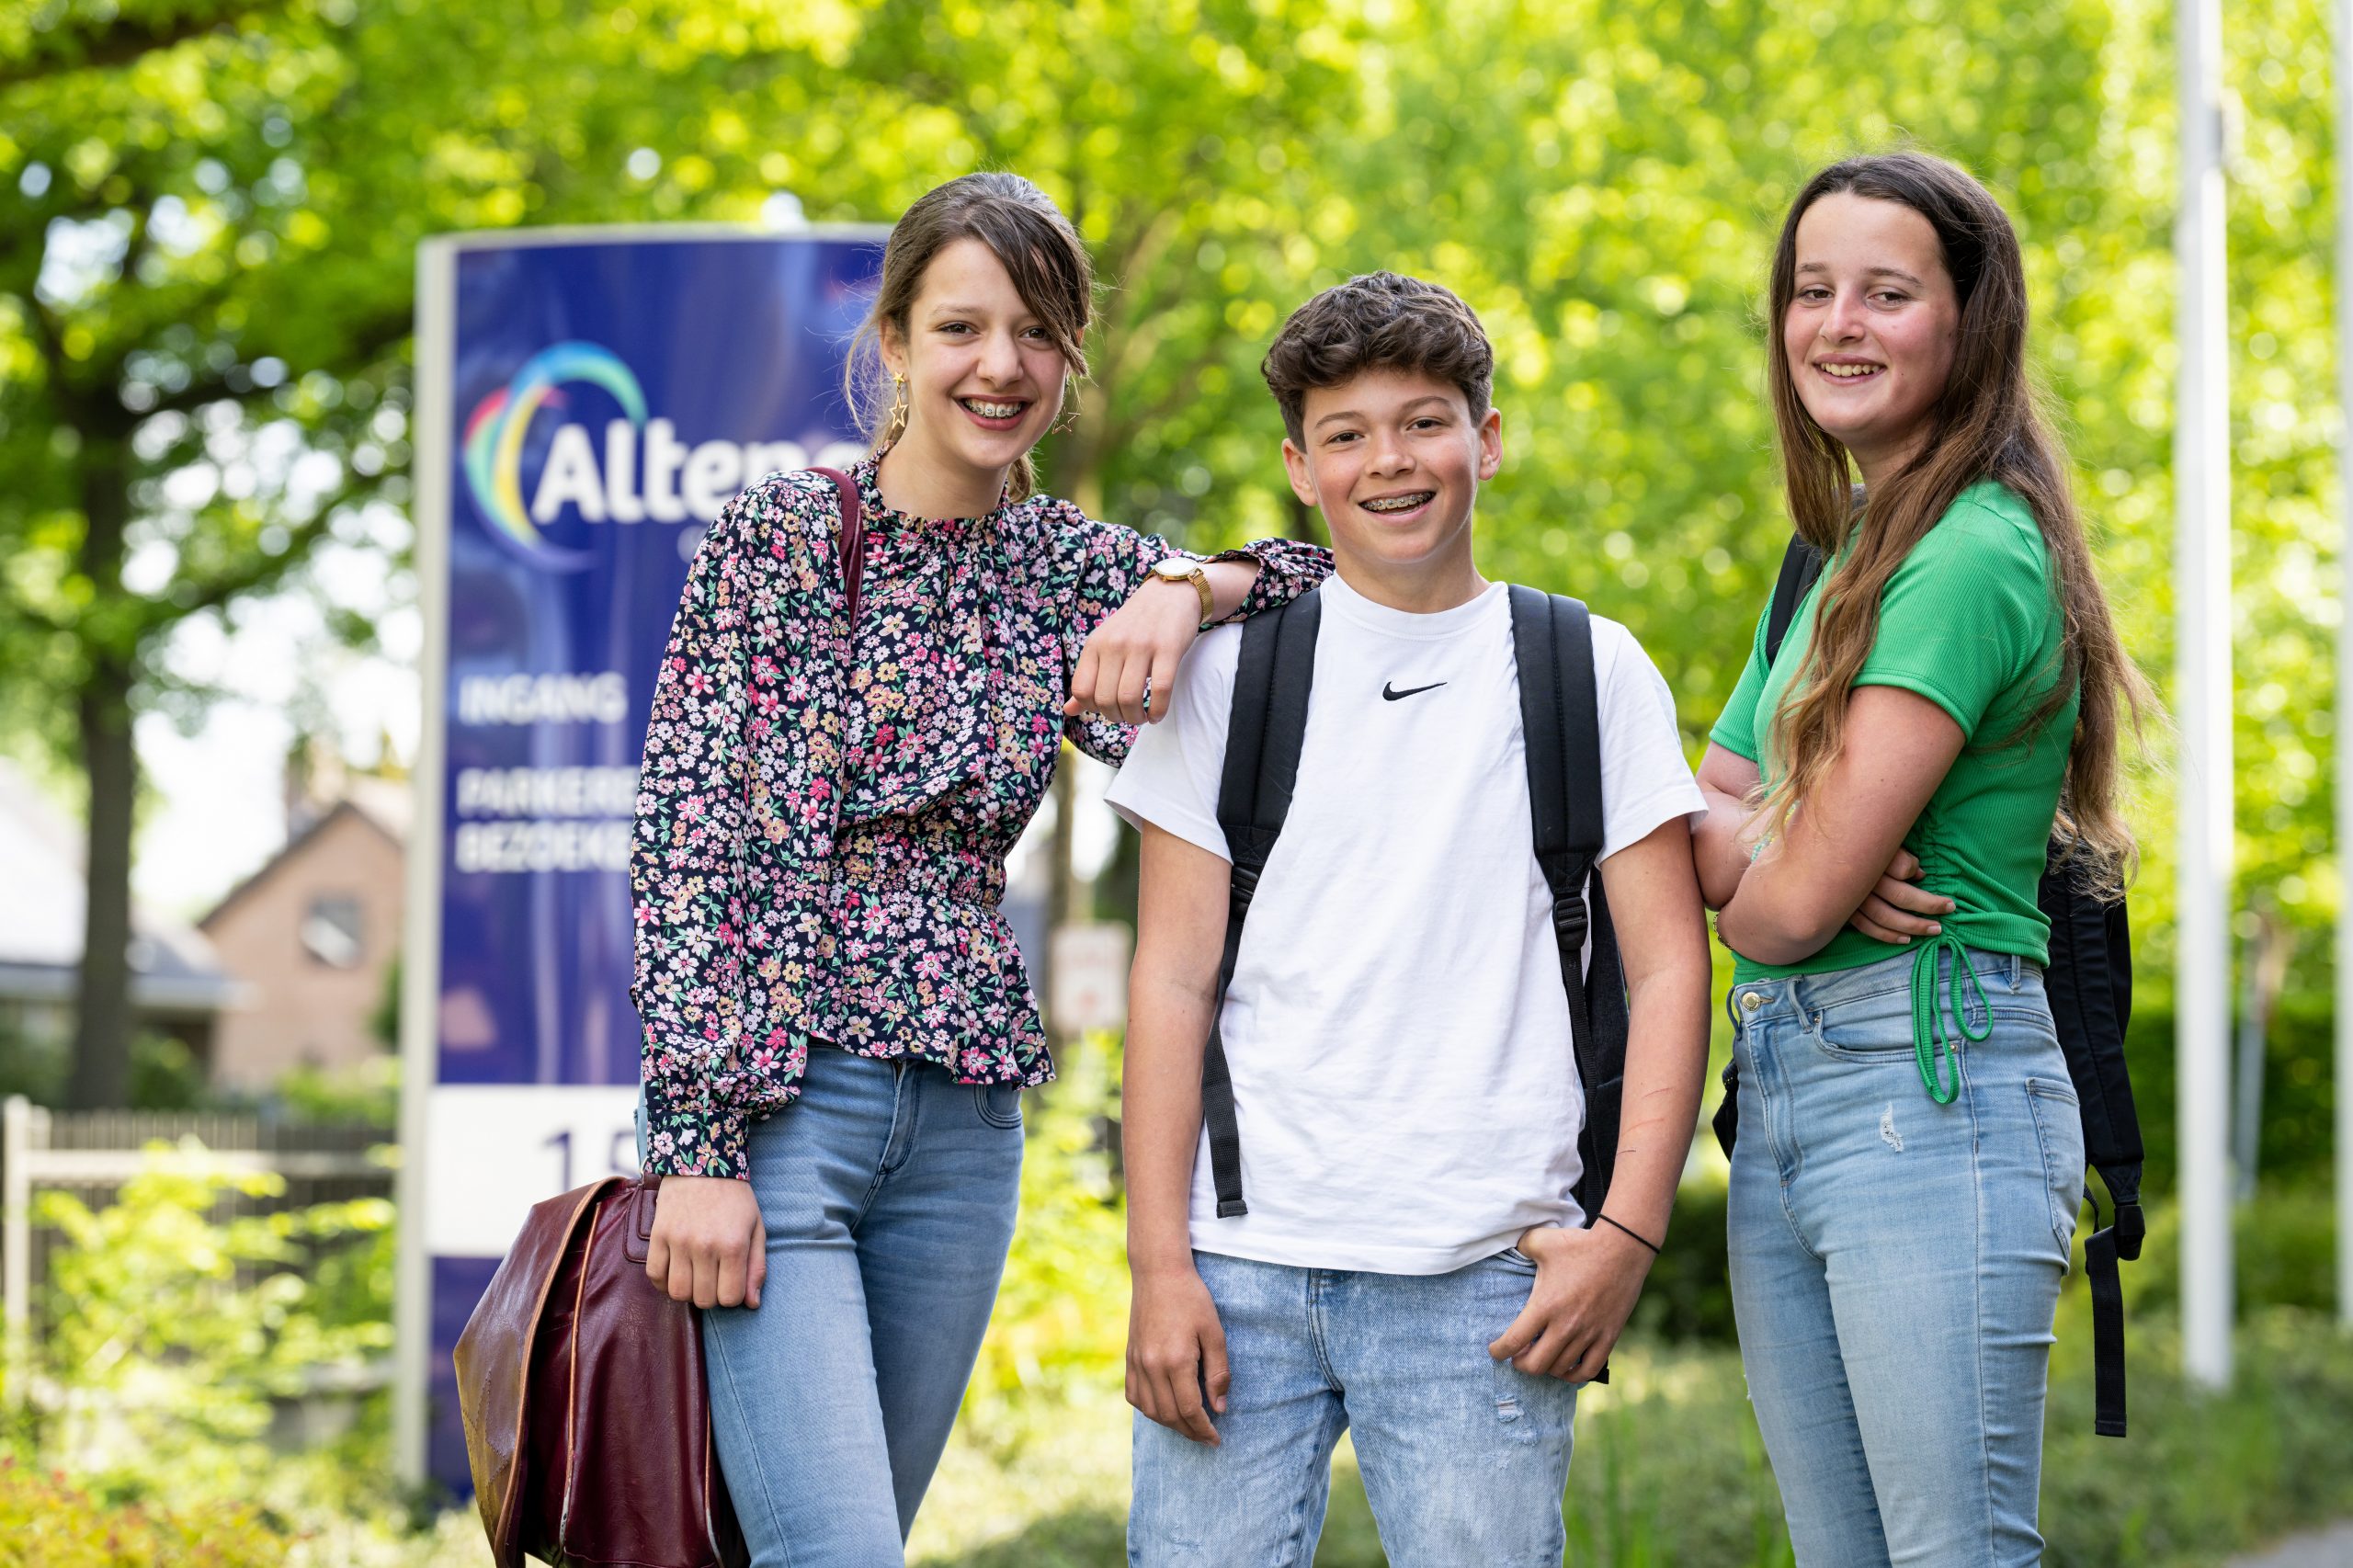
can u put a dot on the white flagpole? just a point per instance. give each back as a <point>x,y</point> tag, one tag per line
<point>2202,595</point>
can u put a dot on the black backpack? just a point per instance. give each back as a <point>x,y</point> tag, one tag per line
<point>2089,982</point>
<point>1552,642</point>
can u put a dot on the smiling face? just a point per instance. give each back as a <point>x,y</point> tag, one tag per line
<point>1870,330</point>
<point>984,375</point>
<point>1394,461</point>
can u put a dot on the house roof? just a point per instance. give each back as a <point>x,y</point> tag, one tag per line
<point>384,809</point>
<point>173,968</point>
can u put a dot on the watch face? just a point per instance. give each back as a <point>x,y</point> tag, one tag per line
<point>1175,571</point>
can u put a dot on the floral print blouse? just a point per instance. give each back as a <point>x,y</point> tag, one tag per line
<point>824,812</point>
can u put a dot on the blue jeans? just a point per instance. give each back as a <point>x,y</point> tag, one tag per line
<point>1895,1263</point>
<point>1464,1457</point>
<point>889,1192</point>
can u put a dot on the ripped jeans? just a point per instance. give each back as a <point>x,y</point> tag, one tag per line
<point>1464,1457</point>
<point>1895,1263</point>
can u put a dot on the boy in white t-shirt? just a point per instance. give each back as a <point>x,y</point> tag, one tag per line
<point>1413,1264</point>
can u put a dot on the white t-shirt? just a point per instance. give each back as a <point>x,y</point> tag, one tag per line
<point>1396,1029</point>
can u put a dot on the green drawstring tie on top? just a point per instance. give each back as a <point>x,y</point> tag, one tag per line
<point>1927,1016</point>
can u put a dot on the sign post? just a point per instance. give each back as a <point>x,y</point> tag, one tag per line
<point>587,402</point>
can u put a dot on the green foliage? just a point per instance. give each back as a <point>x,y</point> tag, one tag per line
<point>212,211</point>
<point>1688,1293</point>
<point>2284,1244</point>
<point>47,1522</point>
<point>170,1336</point>
<point>2299,1086</point>
<point>32,1064</point>
<point>1061,1321</point>
<point>164,1074</point>
<point>2202,1475</point>
<point>366,1093</point>
<point>1669,1470</point>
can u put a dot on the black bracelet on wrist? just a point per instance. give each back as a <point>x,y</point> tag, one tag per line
<point>1614,1225</point>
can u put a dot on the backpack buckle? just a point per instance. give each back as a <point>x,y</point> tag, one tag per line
<point>1569,923</point>
<point>2130,1228</point>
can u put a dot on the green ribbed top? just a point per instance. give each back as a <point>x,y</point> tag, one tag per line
<point>1971,622</point>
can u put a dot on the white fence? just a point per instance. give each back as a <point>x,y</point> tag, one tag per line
<point>95,1151</point>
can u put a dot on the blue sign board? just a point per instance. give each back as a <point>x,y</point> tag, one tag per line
<point>588,402</point>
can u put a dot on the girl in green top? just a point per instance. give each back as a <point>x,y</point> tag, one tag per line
<point>1881,797</point>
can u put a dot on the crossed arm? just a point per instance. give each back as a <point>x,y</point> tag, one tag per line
<point>1841,859</point>
<point>1587,1281</point>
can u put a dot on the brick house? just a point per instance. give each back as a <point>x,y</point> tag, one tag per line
<point>312,938</point>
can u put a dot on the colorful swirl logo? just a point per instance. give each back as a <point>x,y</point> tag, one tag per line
<point>496,428</point>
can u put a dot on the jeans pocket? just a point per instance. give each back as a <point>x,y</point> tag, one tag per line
<point>2059,1131</point>
<point>1513,1257</point>
<point>998,1104</point>
<point>1874,1034</point>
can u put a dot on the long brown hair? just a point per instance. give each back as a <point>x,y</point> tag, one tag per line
<point>1986,424</point>
<point>1030,237</point>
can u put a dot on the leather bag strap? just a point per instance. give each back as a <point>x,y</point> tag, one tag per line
<point>850,543</point>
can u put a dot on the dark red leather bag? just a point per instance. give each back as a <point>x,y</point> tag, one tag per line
<point>587,1423</point>
<point>581,1381</point>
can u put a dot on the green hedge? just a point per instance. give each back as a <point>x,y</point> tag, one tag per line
<point>2299,1089</point>
<point>46,1520</point>
<point>1669,1472</point>
<point>2286,1249</point>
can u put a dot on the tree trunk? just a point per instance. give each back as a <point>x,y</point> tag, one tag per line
<point>102,1003</point>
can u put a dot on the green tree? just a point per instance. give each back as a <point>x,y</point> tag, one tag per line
<point>207,241</point>
<point>213,204</point>
<point>187,422</point>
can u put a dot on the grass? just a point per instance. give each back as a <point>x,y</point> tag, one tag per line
<point>1669,1470</point>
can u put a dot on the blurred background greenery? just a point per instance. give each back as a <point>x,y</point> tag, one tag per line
<point>208,212</point>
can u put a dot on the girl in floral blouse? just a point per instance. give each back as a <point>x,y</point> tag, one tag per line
<point>822,821</point>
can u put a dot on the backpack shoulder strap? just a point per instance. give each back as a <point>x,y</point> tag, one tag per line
<point>1560,723</point>
<point>1801,565</point>
<point>2090,983</point>
<point>1265,728</point>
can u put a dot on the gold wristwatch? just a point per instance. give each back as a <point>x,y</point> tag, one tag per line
<point>1185,569</point>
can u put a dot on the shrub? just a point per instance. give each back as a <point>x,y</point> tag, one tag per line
<point>171,1338</point>
<point>47,1521</point>
<point>2299,1088</point>
<point>366,1093</point>
<point>2284,1244</point>
<point>1687,1297</point>
<point>1061,1312</point>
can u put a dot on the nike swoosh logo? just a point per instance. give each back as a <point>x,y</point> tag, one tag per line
<point>1391,694</point>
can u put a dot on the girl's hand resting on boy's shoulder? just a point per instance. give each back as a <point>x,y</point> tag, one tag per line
<point>1129,665</point>
<point>1586,1284</point>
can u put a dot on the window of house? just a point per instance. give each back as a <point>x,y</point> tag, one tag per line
<point>330,931</point>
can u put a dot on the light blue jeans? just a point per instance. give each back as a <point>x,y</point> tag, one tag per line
<point>889,1192</point>
<point>1464,1457</point>
<point>1895,1263</point>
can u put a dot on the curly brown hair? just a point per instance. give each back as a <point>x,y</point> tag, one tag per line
<point>1379,321</point>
